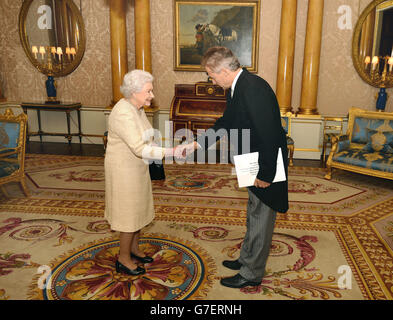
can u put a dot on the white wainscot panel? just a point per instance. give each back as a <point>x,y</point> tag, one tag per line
<point>307,136</point>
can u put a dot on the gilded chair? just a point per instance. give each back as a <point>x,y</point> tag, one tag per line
<point>332,126</point>
<point>286,119</point>
<point>366,147</point>
<point>12,149</point>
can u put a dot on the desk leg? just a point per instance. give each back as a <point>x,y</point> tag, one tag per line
<point>79,125</point>
<point>39,124</point>
<point>69,137</point>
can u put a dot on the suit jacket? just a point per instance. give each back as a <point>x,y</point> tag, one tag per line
<point>254,106</point>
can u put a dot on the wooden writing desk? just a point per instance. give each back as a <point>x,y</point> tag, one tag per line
<point>197,106</point>
<point>64,107</point>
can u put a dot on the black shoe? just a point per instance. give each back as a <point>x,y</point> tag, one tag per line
<point>232,264</point>
<point>144,259</point>
<point>238,281</point>
<point>120,268</point>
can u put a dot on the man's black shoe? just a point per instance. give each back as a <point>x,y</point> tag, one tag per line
<point>232,264</point>
<point>238,281</point>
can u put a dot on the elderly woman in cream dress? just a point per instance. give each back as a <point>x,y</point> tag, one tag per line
<point>128,190</point>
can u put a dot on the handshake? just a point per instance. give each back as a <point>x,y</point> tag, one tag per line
<point>183,150</point>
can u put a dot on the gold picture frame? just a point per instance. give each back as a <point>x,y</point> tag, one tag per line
<point>200,25</point>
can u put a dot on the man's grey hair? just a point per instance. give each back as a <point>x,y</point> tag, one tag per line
<point>134,81</point>
<point>217,58</point>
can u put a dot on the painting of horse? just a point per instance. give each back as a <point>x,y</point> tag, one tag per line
<point>202,25</point>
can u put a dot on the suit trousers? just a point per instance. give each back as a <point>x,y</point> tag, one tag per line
<point>257,240</point>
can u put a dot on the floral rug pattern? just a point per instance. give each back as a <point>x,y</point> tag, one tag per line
<point>337,245</point>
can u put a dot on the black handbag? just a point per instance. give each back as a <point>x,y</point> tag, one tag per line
<point>156,171</point>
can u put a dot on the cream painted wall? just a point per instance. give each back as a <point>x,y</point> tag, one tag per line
<point>339,86</point>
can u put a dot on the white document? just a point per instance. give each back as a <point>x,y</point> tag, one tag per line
<point>247,168</point>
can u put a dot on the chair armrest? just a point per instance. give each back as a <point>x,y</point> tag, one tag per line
<point>341,142</point>
<point>5,152</point>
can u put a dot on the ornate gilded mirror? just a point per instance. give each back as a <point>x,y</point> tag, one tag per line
<point>52,33</point>
<point>372,45</point>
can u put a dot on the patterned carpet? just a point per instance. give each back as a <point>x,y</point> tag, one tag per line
<point>335,243</point>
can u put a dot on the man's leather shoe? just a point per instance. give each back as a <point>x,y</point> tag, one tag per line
<point>121,268</point>
<point>232,264</point>
<point>145,259</point>
<point>238,281</point>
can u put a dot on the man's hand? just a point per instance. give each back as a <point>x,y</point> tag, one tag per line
<point>261,184</point>
<point>191,147</point>
<point>180,151</point>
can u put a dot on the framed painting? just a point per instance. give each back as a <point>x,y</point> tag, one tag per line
<point>200,25</point>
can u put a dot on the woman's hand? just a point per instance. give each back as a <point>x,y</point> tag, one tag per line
<point>184,150</point>
<point>169,152</point>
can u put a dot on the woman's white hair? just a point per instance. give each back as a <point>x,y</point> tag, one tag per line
<point>134,81</point>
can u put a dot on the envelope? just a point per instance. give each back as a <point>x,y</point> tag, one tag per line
<point>247,168</point>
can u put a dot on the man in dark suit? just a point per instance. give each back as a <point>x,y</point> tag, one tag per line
<point>251,105</point>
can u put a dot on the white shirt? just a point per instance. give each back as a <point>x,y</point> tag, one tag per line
<point>234,82</point>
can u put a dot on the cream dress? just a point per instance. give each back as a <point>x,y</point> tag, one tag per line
<point>128,191</point>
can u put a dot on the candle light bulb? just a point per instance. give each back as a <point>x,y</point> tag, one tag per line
<point>375,62</point>
<point>42,51</point>
<point>34,50</point>
<point>68,52</point>
<point>53,51</point>
<point>59,52</point>
<point>390,62</point>
<point>367,60</point>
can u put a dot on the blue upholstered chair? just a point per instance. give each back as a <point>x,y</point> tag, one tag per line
<point>286,119</point>
<point>105,139</point>
<point>367,146</point>
<point>12,149</point>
